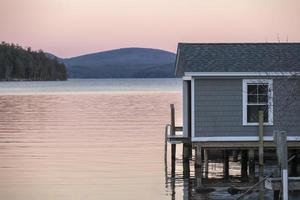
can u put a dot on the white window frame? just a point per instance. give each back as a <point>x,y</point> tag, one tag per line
<point>270,100</point>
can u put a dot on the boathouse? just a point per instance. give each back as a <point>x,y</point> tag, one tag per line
<point>226,84</point>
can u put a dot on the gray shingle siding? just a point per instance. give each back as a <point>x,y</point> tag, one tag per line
<point>237,57</point>
<point>219,108</point>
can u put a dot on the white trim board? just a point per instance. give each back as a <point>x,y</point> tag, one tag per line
<point>224,74</point>
<point>193,107</point>
<point>245,100</point>
<point>239,139</point>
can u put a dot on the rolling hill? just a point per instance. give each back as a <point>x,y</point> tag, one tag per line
<point>122,63</point>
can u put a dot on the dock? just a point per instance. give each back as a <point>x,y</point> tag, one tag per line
<point>250,154</point>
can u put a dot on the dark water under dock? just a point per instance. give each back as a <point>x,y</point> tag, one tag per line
<point>81,141</point>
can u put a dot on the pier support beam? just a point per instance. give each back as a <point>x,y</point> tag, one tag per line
<point>251,155</point>
<point>244,164</point>
<point>225,164</point>
<point>186,152</point>
<point>198,166</point>
<point>205,163</point>
<point>173,146</point>
<point>261,152</point>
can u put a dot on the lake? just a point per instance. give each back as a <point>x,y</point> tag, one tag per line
<point>92,139</point>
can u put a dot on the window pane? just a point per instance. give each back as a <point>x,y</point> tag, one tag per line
<point>252,115</point>
<point>263,89</point>
<point>252,89</point>
<point>252,98</point>
<point>263,99</point>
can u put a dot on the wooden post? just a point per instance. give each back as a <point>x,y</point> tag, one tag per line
<point>244,164</point>
<point>166,144</point>
<point>206,162</point>
<point>281,143</point>
<point>198,165</point>
<point>185,152</point>
<point>166,155</point>
<point>225,164</point>
<point>173,146</point>
<point>251,165</point>
<point>261,152</point>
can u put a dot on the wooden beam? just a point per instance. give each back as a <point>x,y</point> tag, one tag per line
<point>225,164</point>
<point>261,152</point>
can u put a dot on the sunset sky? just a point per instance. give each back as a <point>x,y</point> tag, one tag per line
<point>73,27</point>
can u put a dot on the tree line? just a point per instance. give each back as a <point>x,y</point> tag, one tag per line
<point>17,63</point>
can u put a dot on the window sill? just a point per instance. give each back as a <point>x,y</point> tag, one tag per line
<point>257,124</point>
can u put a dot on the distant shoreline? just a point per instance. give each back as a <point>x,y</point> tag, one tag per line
<point>27,80</point>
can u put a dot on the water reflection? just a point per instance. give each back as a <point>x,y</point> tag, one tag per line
<point>95,146</point>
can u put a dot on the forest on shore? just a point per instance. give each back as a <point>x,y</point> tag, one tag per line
<point>18,63</point>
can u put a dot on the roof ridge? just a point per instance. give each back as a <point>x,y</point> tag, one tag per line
<point>237,43</point>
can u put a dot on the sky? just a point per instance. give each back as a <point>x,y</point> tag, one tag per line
<point>69,28</point>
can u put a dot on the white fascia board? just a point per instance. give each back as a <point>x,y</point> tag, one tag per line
<point>187,78</point>
<point>193,107</point>
<point>237,74</point>
<point>239,139</point>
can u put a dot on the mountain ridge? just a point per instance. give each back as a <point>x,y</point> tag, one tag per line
<point>131,62</point>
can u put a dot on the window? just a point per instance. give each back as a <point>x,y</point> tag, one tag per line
<point>257,95</point>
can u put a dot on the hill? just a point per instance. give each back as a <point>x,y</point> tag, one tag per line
<point>122,63</point>
<point>17,63</point>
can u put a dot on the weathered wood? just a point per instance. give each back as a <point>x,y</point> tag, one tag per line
<point>186,170</point>
<point>225,164</point>
<point>275,183</point>
<point>186,152</point>
<point>206,164</point>
<point>172,107</point>
<point>178,128</point>
<point>251,165</point>
<point>282,145</point>
<point>166,144</point>
<point>244,164</point>
<point>172,133</point>
<point>198,165</point>
<point>261,152</point>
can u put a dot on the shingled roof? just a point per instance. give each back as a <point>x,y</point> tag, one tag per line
<point>237,57</point>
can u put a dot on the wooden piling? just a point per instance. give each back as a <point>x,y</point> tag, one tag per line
<point>198,165</point>
<point>172,132</point>
<point>261,152</point>
<point>244,164</point>
<point>225,165</point>
<point>251,155</point>
<point>186,152</point>
<point>205,163</point>
<point>282,146</point>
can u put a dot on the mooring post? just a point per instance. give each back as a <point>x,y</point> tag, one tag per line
<point>172,133</point>
<point>166,155</point>
<point>166,144</point>
<point>261,152</point>
<point>251,165</point>
<point>282,146</point>
<point>244,164</point>
<point>185,152</point>
<point>198,165</point>
<point>225,164</point>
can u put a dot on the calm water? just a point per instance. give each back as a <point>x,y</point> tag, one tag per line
<point>91,139</point>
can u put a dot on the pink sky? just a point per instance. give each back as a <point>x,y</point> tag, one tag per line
<point>73,27</point>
